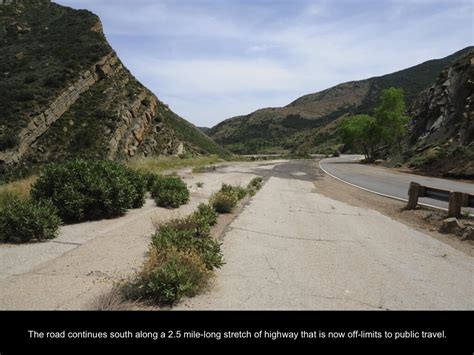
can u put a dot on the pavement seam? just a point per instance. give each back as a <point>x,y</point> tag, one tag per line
<point>305,210</point>
<point>346,299</point>
<point>67,243</point>
<point>293,238</point>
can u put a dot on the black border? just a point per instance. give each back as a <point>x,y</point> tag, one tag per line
<point>15,325</point>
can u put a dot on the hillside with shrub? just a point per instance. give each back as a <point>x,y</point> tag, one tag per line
<point>308,124</point>
<point>65,94</point>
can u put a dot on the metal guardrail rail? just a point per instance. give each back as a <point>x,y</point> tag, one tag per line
<point>456,200</point>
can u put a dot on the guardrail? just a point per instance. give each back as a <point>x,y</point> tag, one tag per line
<point>456,200</point>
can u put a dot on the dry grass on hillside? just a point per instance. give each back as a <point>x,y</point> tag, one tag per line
<point>160,164</point>
<point>19,188</point>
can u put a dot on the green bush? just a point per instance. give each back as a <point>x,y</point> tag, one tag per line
<point>89,190</point>
<point>180,261</point>
<point>226,188</point>
<point>224,202</point>
<point>241,192</point>
<point>149,179</point>
<point>23,220</point>
<point>139,186</point>
<point>184,234</point>
<point>7,196</point>
<point>170,191</point>
<point>206,214</point>
<point>427,157</point>
<point>169,274</point>
<point>238,191</point>
<point>256,183</point>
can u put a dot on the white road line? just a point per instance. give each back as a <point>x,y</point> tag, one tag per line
<point>375,192</point>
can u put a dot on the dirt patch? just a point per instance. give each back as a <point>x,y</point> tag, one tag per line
<point>423,219</point>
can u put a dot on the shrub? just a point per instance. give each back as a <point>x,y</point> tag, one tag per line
<point>180,261</point>
<point>149,179</point>
<point>226,188</point>
<point>169,274</point>
<point>238,191</point>
<point>241,192</point>
<point>139,186</point>
<point>30,78</point>
<point>224,202</point>
<point>7,196</point>
<point>23,220</point>
<point>256,183</point>
<point>194,224</point>
<point>88,190</point>
<point>170,191</point>
<point>427,157</point>
<point>206,213</point>
<point>8,141</point>
<point>184,236</point>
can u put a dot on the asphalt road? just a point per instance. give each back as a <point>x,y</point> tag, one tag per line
<point>293,248</point>
<point>387,182</point>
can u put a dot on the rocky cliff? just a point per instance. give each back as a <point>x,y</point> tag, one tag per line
<point>442,126</point>
<point>64,93</point>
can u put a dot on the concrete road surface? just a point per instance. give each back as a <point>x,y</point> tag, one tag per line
<point>292,248</point>
<point>388,182</point>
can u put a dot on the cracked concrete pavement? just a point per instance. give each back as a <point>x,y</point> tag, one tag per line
<point>292,248</point>
<point>87,258</point>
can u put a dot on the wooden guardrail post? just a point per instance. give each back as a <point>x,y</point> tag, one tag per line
<point>413,194</point>
<point>455,204</point>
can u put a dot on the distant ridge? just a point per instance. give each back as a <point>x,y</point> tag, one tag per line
<point>309,120</point>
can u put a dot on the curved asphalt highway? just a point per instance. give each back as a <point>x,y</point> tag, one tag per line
<point>386,182</point>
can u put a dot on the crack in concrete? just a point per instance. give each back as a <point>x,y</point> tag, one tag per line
<point>346,299</point>
<point>67,243</point>
<point>296,238</point>
<point>306,210</point>
<point>275,271</point>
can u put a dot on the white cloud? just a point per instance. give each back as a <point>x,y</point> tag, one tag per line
<point>217,76</point>
<point>213,60</point>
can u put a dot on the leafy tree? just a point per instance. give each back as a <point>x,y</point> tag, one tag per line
<point>390,115</point>
<point>361,132</point>
<point>385,127</point>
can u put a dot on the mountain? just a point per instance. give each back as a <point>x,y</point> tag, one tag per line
<point>204,129</point>
<point>64,93</point>
<point>441,138</point>
<point>308,123</point>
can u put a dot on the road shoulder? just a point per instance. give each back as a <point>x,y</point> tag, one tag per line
<point>423,219</point>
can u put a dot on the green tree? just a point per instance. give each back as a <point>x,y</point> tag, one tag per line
<point>390,116</point>
<point>385,127</point>
<point>361,132</point>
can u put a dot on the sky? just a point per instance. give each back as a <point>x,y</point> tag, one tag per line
<point>215,59</point>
